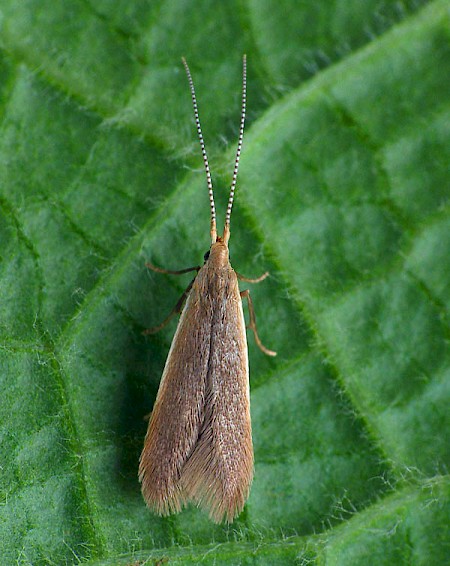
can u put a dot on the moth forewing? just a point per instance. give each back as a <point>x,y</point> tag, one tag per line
<point>218,474</point>
<point>177,413</point>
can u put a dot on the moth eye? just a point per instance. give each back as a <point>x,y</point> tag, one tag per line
<point>206,256</point>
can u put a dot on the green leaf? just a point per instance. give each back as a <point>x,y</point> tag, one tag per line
<point>342,194</point>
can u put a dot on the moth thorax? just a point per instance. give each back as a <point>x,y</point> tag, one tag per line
<point>218,254</point>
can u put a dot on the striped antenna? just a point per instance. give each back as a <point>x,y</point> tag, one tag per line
<point>205,157</point>
<point>226,232</point>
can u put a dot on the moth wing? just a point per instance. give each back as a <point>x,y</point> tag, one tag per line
<point>218,474</point>
<point>178,410</point>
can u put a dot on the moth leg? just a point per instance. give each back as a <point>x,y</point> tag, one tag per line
<point>257,280</point>
<point>169,271</point>
<point>246,295</point>
<point>176,309</point>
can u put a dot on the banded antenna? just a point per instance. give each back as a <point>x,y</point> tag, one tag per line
<point>205,157</point>
<point>226,232</point>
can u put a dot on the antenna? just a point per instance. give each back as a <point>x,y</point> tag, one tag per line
<point>226,231</point>
<point>205,157</point>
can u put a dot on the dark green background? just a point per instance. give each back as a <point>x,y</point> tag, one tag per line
<point>342,194</point>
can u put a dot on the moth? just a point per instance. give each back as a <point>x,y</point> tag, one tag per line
<point>198,447</point>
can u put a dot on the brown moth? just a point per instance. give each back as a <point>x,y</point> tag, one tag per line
<point>198,447</point>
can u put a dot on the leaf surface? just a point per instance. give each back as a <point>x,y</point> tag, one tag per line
<point>342,194</point>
